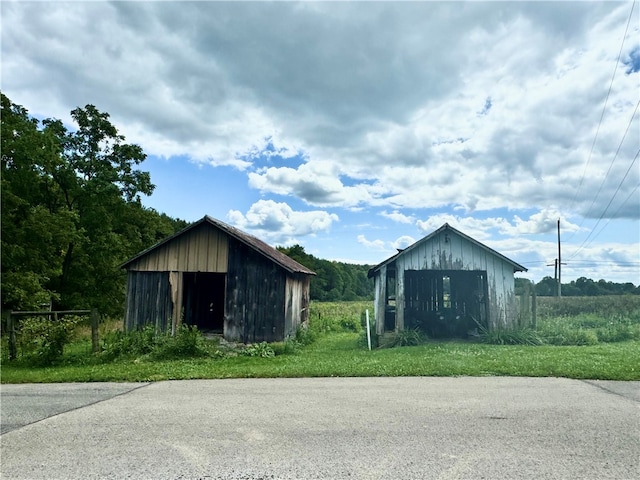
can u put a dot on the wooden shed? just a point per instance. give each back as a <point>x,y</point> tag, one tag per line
<point>447,285</point>
<point>220,279</point>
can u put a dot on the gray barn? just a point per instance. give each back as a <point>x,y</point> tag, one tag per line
<point>220,279</point>
<point>445,284</point>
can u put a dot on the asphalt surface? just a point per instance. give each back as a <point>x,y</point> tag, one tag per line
<point>362,428</point>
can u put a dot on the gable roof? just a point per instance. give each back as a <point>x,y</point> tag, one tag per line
<point>516,266</point>
<point>252,242</point>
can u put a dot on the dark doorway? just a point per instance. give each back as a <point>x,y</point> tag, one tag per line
<point>203,300</point>
<point>446,303</point>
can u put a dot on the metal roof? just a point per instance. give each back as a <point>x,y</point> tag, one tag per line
<point>252,242</point>
<point>516,266</point>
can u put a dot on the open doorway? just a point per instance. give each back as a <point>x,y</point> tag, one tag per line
<point>203,300</point>
<point>446,303</point>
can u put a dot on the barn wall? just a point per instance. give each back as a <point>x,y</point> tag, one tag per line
<point>202,249</point>
<point>255,297</point>
<point>296,304</point>
<point>400,298</point>
<point>148,300</point>
<point>379,306</point>
<point>450,251</point>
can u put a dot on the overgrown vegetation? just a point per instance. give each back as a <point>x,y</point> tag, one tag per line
<point>512,336</point>
<point>187,342</point>
<point>42,341</point>
<point>585,345</point>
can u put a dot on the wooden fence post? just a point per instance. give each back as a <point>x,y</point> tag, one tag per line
<point>534,320</point>
<point>13,349</point>
<point>95,323</point>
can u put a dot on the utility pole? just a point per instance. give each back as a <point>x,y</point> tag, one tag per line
<point>559,260</point>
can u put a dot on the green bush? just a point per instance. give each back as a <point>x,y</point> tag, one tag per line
<point>42,341</point>
<point>133,343</point>
<point>187,342</point>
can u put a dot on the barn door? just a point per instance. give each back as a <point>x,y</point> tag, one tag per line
<point>203,300</point>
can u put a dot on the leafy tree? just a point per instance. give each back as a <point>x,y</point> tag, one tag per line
<point>33,234</point>
<point>548,287</point>
<point>71,210</point>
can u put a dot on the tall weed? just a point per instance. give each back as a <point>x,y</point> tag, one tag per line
<point>187,342</point>
<point>602,306</point>
<point>409,337</point>
<point>327,317</point>
<point>515,336</point>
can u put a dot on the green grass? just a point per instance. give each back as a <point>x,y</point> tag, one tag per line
<point>585,345</point>
<point>338,355</point>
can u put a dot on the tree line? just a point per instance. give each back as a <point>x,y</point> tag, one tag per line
<point>582,287</point>
<point>585,287</point>
<point>334,281</point>
<point>72,214</point>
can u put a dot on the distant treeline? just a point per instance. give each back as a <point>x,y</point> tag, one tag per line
<point>71,214</point>
<point>582,287</point>
<point>334,281</point>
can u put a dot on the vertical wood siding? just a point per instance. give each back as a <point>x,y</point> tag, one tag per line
<point>450,251</point>
<point>175,280</point>
<point>262,300</point>
<point>379,306</point>
<point>148,300</point>
<point>255,297</point>
<point>203,249</point>
<point>296,304</point>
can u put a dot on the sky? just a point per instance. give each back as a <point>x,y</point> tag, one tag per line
<point>356,128</point>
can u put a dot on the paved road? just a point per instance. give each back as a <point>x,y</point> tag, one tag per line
<point>362,428</point>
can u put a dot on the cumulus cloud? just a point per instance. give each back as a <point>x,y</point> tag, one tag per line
<point>377,106</point>
<point>398,217</point>
<point>543,222</point>
<point>403,242</point>
<point>314,183</point>
<point>279,223</point>
<point>371,244</point>
<point>382,114</point>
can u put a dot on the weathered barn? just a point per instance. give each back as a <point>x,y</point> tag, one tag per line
<point>446,285</point>
<point>220,279</point>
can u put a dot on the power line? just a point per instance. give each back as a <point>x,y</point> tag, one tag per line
<point>583,263</point>
<point>608,205</point>
<point>608,171</point>
<point>604,107</point>
<point>613,216</point>
<point>613,160</point>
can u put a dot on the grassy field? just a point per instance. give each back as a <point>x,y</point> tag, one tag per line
<point>338,351</point>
